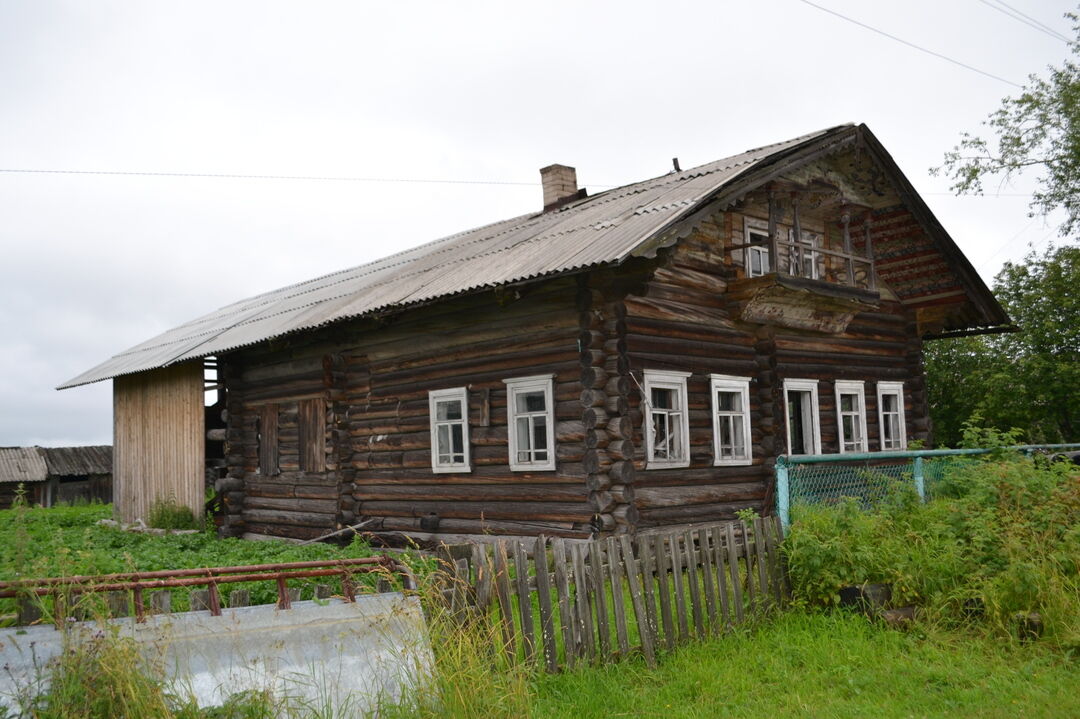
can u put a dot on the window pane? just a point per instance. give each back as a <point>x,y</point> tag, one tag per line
<point>796,425</point>
<point>848,403</point>
<point>539,433</point>
<point>523,439</point>
<point>443,433</point>
<point>888,402</point>
<point>458,439</point>
<point>663,398</point>
<point>660,435</point>
<point>738,444</point>
<point>729,401</point>
<point>675,432</point>
<point>448,409</point>
<point>529,402</point>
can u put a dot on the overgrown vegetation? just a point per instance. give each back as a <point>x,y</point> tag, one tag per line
<point>170,514</point>
<point>1001,537</point>
<point>67,541</point>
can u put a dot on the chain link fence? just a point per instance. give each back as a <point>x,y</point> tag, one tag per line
<point>869,477</point>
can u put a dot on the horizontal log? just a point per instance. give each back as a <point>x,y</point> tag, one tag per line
<point>601,501</point>
<point>593,377</point>
<point>281,517</point>
<point>568,511</point>
<point>292,504</point>
<point>620,427</point>
<point>697,512</point>
<point>594,417</point>
<point>449,525</point>
<point>592,397</point>
<point>653,497</point>
<point>457,492</point>
<point>620,449</point>
<point>597,482</point>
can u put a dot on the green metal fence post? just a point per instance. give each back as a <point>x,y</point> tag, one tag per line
<point>920,482</point>
<point>783,493</point>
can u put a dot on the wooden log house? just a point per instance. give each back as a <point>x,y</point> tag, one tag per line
<point>615,362</point>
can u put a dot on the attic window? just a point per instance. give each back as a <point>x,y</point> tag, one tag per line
<point>757,252</point>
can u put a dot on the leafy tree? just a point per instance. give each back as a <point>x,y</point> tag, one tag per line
<point>1040,128</point>
<point>1029,379</point>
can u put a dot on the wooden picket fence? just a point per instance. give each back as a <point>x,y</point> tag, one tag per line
<point>564,601</point>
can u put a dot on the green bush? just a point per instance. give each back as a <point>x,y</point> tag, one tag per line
<point>1001,536</point>
<point>170,514</point>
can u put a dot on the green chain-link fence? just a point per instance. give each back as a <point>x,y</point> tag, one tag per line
<point>867,477</point>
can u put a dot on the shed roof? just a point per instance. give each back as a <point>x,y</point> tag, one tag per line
<point>78,461</point>
<point>22,464</point>
<point>602,229</point>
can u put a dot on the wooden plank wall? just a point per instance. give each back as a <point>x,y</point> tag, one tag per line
<point>158,440</point>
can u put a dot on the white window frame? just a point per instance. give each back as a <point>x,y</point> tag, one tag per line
<point>514,387</point>
<point>727,383</point>
<point>757,228</point>
<point>857,388</point>
<point>894,388</point>
<point>460,394</point>
<point>811,386</point>
<point>666,379</point>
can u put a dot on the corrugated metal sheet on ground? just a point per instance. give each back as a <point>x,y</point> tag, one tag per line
<point>602,229</point>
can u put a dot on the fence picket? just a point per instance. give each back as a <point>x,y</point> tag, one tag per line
<point>481,563</point>
<point>748,554</point>
<point>692,580</point>
<point>547,613</point>
<point>707,578</point>
<point>562,591</point>
<point>648,573</point>
<point>616,568</point>
<point>584,601</point>
<point>763,571</point>
<point>721,577</point>
<point>733,568</point>
<point>502,592</point>
<point>599,587</point>
<point>662,568</point>
<point>680,593</point>
<point>524,597</point>
<point>773,551</point>
<point>637,599</point>
<point>785,581</point>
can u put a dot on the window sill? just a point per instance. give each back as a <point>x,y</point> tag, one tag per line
<point>655,464</point>
<point>733,462</point>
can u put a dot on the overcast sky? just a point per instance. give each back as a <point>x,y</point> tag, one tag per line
<point>480,92</point>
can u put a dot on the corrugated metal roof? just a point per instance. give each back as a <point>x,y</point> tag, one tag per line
<point>22,464</point>
<point>602,229</point>
<point>78,461</point>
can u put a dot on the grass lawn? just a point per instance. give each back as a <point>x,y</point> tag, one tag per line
<point>824,665</point>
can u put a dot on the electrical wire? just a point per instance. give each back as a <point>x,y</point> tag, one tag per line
<point>1009,11</point>
<point>920,48</point>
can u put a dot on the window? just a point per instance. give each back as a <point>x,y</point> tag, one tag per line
<point>731,419</point>
<point>449,430</point>
<point>311,417</point>
<point>667,430</point>
<point>803,425</point>
<point>890,402</point>
<point>802,261</point>
<point>530,418</point>
<point>851,415</point>
<point>757,256</point>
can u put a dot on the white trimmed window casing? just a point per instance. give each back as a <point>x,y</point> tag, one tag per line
<point>801,406</point>
<point>449,410</point>
<point>530,415</point>
<point>891,421</point>
<point>851,416</point>
<point>756,233</point>
<point>732,444</point>
<point>667,426</point>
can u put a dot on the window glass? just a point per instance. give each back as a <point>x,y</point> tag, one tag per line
<point>449,430</point>
<point>531,423</point>
<point>851,406</point>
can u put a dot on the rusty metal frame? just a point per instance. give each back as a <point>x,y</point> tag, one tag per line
<point>211,577</point>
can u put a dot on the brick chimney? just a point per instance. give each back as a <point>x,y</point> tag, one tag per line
<point>560,186</point>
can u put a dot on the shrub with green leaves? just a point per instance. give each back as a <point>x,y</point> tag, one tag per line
<point>1001,536</point>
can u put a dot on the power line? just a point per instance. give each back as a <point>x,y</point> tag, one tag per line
<point>911,44</point>
<point>329,178</point>
<point>1008,10</point>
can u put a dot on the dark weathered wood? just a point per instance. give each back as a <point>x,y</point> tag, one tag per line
<point>747,552</point>
<point>647,564</point>
<point>599,594</point>
<point>733,567</point>
<point>547,614</point>
<point>584,603</point>
<point>663,567</point>
<point>691,558</point>
<point>502,592</point>
<point>721,574</point>
<point>707,578</point>
<point>242,597</point>
<point>161,602</point>
<point>483,583</point>
<point>562,592</point>
<point>763,572</point>
<point>616,568</point>
<point>637,600</point>
<point>524,598</point>
<point>675,554</point>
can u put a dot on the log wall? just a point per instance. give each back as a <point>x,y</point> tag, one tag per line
<point>683,319</point>
<point>158,440</point>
